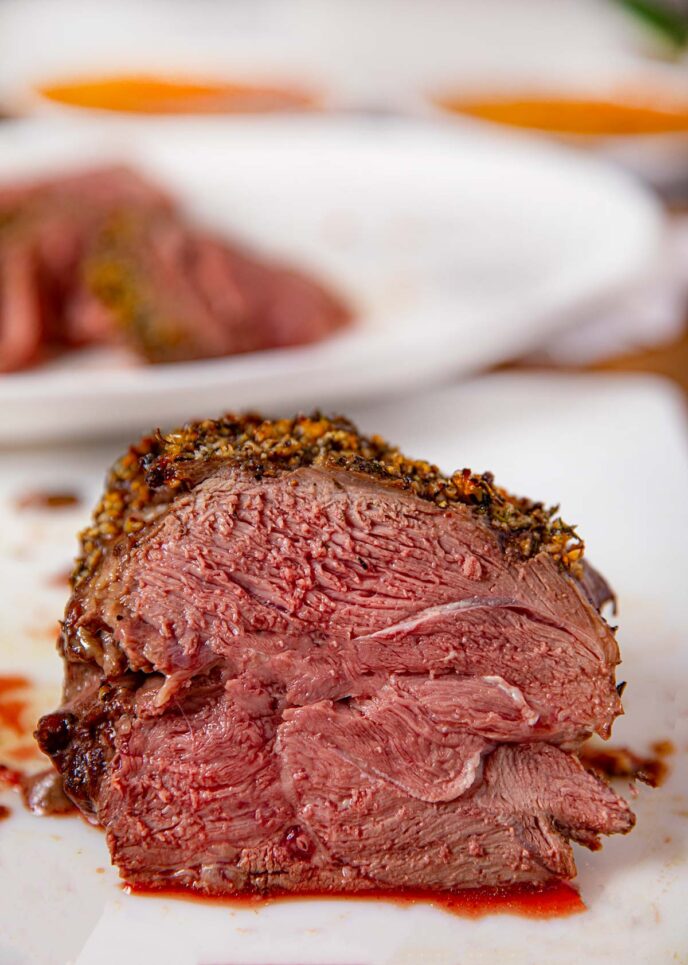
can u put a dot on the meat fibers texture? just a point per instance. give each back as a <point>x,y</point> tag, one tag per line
<point>297,660</point>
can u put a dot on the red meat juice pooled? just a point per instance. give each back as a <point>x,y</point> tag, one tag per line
<point>13,717</point>
<point>12,707</point>
<point>557,899</point>
<point>23,752</point>
<point>48,499</point>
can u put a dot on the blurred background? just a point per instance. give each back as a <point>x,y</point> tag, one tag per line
<point>459,187</point>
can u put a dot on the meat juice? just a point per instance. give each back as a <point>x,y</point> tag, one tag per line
<point>12,707</point>
<point>358,575</point>
<point>9,777</point>
<point>557,899</point>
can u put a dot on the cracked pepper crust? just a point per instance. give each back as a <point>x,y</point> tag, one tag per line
<point>146,478</point>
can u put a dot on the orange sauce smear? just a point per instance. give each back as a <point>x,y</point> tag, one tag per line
<point>562,115</point>
<point>146,94</point>
<point>557,899</point>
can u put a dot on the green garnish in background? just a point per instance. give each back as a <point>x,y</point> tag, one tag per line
<point>667,21</point>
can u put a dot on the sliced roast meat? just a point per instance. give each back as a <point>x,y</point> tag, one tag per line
<point>113,260</point>
<point>296,659</point>
<point>21,315</point>
<point>177,294</point>
<point>388,582</point>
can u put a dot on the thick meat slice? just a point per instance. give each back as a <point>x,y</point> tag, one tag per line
<point>104,256</point>
<point>296,659</point>
<point>177,294</point>
<point>389,583</point>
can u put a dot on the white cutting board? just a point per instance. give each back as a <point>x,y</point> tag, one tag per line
<point>615,453</point>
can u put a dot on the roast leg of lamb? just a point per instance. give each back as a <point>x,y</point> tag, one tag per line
<point>176,293</point>
<point>105,256</point>
<point>297,660</point>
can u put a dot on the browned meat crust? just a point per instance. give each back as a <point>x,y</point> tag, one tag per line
<point>623,762</point>
<point>158,467</point>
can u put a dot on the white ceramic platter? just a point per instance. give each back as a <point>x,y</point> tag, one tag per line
<point>457,248</point>
<point>614,452</point>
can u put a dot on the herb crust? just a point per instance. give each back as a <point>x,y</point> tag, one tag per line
<point>146,478</point>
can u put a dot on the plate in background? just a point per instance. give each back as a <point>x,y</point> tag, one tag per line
<point>457,248</point>
<point>587,441</point>
<point>588,49</point>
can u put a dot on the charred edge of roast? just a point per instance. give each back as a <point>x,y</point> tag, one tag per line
<point>80,737</point>
<point>152,472</point>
